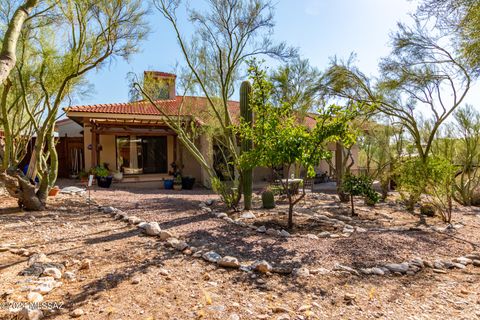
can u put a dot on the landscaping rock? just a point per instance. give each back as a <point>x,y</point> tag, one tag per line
<point>142,225</point>
<point>77,313</point>
<point>222,215</point>
<point>397,267</point>
<point>301,272</point>
<point>324,234</point>
<point>30,314</point>
<point>272,232</point>
<point>439,271</point>
<point>176,244</point>
<point>152,229</point>
<point>262,229</point>
<point>284,233</point>
<point>86,264</point>
<point>438,265</point>
<point>109,209</point>
<point>417,262</point>
<point>229,262</point>
<point>339,267</point>
<point>378,271</point>
<point>211,256</point>
<point>38,258</point>
<point>52,272</point>
<point>34,297</point>
<point>69,276</point>
<point>311,236</point>
<point>164,235</point>
<point>134,220</point>
<point>262,266</point>
<point>473,256</point>
<point>463,260</point>
<point>247,215</point>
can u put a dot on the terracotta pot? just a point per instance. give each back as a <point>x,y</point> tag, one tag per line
<point>54,191</point>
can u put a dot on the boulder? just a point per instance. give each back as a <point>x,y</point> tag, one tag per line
<point>109,209</point>
<point>34,297</point>
<point>284,233</point>
<point>463,260</point>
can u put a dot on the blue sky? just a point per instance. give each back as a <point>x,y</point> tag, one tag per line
<point>319,28</point>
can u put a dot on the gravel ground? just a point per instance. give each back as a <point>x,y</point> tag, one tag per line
<point>136,277</point>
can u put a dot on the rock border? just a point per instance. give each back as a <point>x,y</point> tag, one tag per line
<point>410,267</point>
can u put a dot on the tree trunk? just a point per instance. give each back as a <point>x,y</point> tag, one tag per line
<point>8,54</point>
<point>352,205</point>
<point>290,213</point>
<point>21,189</point>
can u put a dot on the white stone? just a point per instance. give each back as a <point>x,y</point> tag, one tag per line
<point>38,258</point>
<point>52,272</point>
<point>463,260</point>
<point>34,297</point>
<point>77,313</point>
<point>247,215</point>
<point>109,209</point>
<point>378,271</point>
<point>142,225</point>
<point>324,234</point>
<point>222,215</point>
<point>152,229</point>
<point>311,236</point>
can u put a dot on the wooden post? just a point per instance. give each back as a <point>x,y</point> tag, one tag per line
<point>94,145</point>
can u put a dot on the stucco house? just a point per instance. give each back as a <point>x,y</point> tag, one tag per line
<point>133,138</point>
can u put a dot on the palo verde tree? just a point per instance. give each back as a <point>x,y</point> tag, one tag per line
<point>57,54</point>
<point>225,35</point>
<point>280,138</point>
<point>8,53</point>
<point>423,75</point>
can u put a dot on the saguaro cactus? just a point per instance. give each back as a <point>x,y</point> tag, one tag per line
<point>246,145</point>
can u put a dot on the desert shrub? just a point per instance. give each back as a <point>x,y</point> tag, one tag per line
<point>360,186</point>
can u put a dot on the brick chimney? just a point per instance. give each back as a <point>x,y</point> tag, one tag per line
<point>167,78</point>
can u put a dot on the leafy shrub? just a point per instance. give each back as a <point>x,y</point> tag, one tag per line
<point>360,186</point>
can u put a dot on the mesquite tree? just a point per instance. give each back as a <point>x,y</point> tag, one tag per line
<point>57,54</point>
<point>281,139</point>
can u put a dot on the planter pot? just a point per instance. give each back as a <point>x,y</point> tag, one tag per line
<point>118,176</point>
<point>187,183</point>
<point>104,182</point>
<point>177,187</point>
<point>168,184</point>
<point>54,191</point>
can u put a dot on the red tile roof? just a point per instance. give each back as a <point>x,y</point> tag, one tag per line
<point>183,106</point>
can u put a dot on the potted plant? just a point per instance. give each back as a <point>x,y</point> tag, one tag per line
<point>104,179</point>
<point>168,184</point>
<point>188,182</point>
<point>177,183</point>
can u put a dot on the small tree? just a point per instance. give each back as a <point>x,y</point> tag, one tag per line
<point>280,139</point>
<point>359,186</point>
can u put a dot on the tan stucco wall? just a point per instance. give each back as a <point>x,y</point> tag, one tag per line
<point>109,152</point>
<point>191,167</point>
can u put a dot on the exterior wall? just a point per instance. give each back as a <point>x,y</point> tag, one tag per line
<point>69,128</point>
<point>170,150</point>
<point>206,147</point>
<point>191,167</point>
<point>108,154</point>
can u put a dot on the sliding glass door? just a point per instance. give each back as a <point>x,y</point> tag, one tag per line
<point>147,154</point>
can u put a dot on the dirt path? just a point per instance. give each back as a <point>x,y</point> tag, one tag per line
<point>137,277</point>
